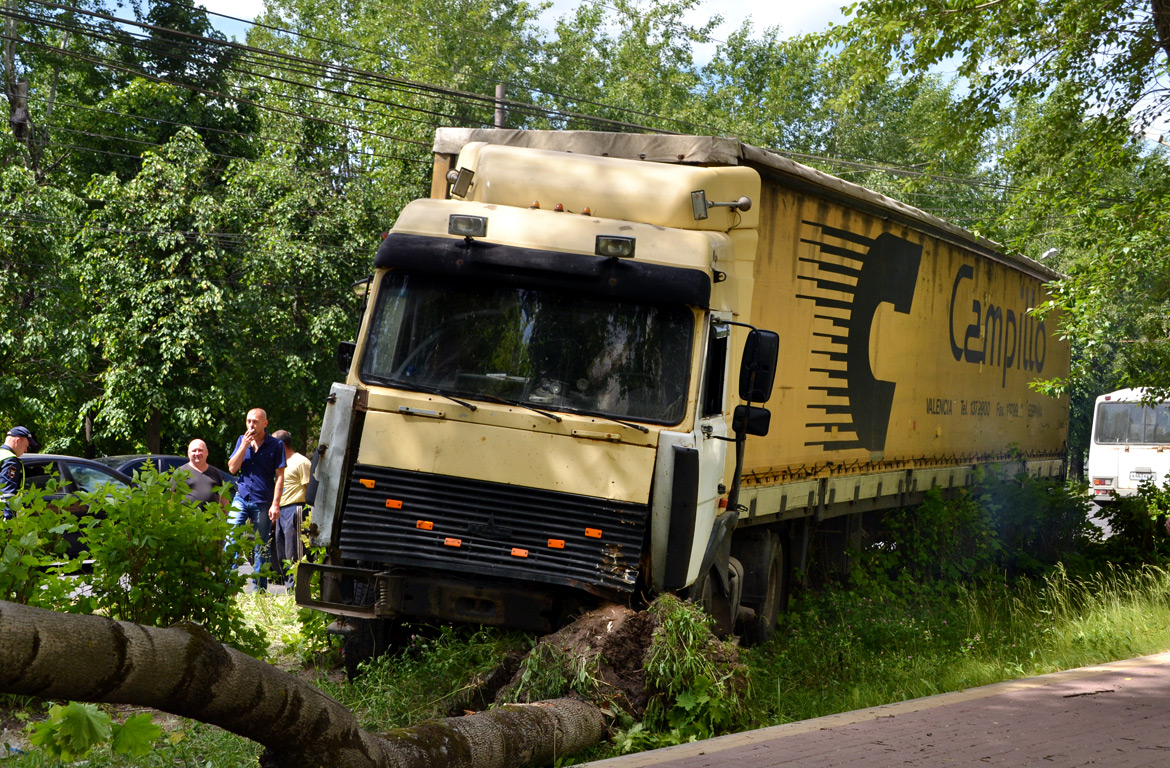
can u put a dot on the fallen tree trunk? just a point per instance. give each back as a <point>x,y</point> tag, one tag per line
<point>185,671</point>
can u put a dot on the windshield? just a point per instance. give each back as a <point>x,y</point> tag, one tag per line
<point>540,347</point>
<point>1133,423</point>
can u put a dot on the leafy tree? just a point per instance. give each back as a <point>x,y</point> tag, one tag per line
<point>306,243</point>
<point>645,74</point>
<point>43,334</point>
<point>154,272</point>
<point>1111,51</point>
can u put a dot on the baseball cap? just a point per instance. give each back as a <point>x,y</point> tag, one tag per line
<point>24,432</point>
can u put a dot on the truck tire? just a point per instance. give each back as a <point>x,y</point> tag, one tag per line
<point>767,580</point>
<point>710,595</point>
<point>368,638</point>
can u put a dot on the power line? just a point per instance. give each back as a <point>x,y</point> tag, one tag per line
<point>543,90</point>
<point>346,73</point>
<point>228,132</point>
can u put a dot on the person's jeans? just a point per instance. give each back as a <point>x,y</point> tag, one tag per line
<point>245,511</point>
<point>288,539</point>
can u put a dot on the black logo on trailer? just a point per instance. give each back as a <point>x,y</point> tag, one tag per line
<point>874,271</point>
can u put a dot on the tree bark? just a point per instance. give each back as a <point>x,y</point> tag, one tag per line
<point>1160,13</point>
<point>185,671</point>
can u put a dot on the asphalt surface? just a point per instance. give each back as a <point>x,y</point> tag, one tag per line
<point>1115,715</point>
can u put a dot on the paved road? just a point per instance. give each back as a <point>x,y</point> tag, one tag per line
<point>1115,715</point>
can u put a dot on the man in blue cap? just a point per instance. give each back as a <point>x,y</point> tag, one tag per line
<point>18,441</point>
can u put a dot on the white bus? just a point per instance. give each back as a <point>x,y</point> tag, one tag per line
<point>1130,445</point>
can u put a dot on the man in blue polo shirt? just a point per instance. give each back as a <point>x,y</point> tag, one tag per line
<point>258,459</point>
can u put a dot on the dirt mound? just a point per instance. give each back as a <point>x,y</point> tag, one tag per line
<point>600,655</point>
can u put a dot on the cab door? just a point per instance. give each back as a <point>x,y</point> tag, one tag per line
<point>688,475</point>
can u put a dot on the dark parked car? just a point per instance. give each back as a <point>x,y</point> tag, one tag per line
<point>74,475</point>
<point>131,463</point>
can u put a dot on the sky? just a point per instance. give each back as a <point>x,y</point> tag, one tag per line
<point>791,16</point>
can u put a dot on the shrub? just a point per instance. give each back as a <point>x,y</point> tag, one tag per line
<point>1014,526</point>
<point>34,568</point>
<point>159,559</point>
<point>1138,525</point>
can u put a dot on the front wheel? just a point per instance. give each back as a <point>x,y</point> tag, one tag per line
<point>767,580</point>
<point>709,594</point>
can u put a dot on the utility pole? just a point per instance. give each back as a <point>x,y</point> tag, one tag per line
<point>501,114</point>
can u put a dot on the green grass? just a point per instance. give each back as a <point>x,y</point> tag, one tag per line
<point>840,651</point>
<point>836,651</point>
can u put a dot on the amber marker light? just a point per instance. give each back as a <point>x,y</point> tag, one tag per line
<point>593,533</point>
<point>448,542</point>
<point>425,525</point>
<point>517,552</point>
<point>366,483</point>
<point>556,543</point>
<point>394,503</point>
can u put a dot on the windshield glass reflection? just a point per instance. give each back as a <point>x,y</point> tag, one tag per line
<point>539,347</point>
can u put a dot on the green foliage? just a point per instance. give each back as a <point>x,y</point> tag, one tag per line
<point>34,567</point>
<point>1038,523</point>
<point>42,326</point>
<point>1138,528</point>
<point>72,730</point>
<point>435,670</point>
<point>159,559</point>
<point>840,650</point>
<point>1008,51</point>
<point>1017,525</point>
<point>696,686</point>
<point>549,671</point>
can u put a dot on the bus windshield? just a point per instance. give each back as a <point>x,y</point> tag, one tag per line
<point>539,347</point>
<point>1133,423</point>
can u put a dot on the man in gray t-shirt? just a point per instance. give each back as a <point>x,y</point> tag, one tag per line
<point>201,477</point>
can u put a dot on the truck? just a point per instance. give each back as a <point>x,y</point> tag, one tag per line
<point>598,367</point>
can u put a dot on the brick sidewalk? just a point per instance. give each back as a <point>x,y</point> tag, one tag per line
<point>1115,715</point>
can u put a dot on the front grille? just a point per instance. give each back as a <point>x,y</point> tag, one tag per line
<point>462,526</point>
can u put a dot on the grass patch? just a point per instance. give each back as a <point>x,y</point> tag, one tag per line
<point>838,651</point>
<point>434,673</point>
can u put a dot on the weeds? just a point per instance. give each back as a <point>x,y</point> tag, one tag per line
<point>696,684</point>
<point>549,671</point>
<point>839,651</point>
<point>427,677</point>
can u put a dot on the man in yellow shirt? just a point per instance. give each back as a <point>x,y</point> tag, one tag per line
<point>287,531</point>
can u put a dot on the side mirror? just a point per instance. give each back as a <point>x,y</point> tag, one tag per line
<point>751,420</point>
<point>361,288</point>
<point>345,353</point>
<point>757,369</point>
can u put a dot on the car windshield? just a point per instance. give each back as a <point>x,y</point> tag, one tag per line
<point>544,348</point>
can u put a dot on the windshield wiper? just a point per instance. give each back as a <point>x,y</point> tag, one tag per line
<point>505,401</point>
<point>607,417</point>
<point>429,390</point>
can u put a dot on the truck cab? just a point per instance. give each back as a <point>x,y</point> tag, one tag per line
<point>537,413</point>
